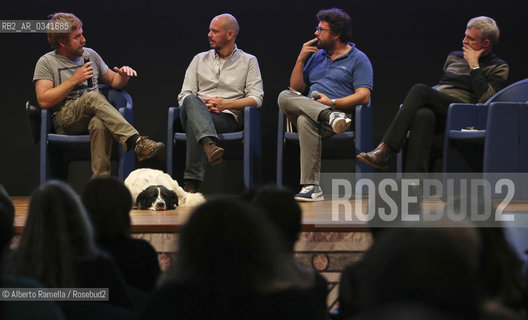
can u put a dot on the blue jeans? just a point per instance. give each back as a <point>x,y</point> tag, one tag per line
<point>199,123</point>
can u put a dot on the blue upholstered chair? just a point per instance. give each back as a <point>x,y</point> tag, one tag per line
<point>463,149</point>
<point>58,150</point>
<point>506,141</point>
<point>506,145</point>
<point>249,139</point>
<point>361,137</point>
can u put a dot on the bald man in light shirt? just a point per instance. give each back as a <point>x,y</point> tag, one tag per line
<point>218,84</point>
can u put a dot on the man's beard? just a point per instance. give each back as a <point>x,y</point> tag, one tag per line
<point>328,46</point>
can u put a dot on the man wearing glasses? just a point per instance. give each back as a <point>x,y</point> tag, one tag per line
<point>218,84</point>
<point>337,77</point>
<point>470,76</point>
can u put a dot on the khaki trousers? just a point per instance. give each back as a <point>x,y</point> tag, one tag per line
<point>92,113</point>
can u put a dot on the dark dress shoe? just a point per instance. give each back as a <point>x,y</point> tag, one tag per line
<point>378,158</point>
<point>214,153</point>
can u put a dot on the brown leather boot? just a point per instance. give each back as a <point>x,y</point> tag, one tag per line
<point>214,153</point>
<point>378,158</point>
<point>146,148</point>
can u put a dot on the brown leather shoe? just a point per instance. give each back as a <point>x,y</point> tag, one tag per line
<point>214,153</point>
<point>378,158</point>
<point>146,148</point>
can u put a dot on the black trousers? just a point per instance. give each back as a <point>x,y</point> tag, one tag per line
<point>423,112</point>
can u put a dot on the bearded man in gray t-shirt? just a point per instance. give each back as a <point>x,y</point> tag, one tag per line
<point>66,80</point>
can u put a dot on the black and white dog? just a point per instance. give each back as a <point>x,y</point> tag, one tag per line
<point>157,198</point>
<point>155,190</point>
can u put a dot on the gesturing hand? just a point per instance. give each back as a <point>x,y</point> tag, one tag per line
<point>126,71</point>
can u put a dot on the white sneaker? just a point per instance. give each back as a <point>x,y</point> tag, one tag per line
<point>310,193</point>
<point>339,122</point>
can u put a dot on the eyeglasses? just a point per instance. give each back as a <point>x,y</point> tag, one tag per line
<point>321,30</point>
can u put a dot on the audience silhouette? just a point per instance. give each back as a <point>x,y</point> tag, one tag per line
<point>229,266</point>
<point>57,249</point>
<point>236,261</point>
<point>108,203</point>
<point>281,208</point>
<point>19,309</point>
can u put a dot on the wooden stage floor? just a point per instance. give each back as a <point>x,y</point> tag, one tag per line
<point>147,221</point>
<point>317,216</point>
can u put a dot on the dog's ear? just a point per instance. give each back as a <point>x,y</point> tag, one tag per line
<point>142,201</point>
<point>171,199</point>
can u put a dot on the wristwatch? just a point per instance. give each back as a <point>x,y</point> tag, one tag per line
<point>333,103</point>
<point>475,67</point>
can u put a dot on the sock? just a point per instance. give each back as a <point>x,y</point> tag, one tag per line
<point>131,142</point>
<point>206,140</point>
<point>324,116</point>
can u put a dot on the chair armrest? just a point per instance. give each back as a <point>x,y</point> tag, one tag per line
<point>363,127</point>
<point>280,123</point>
<point>45,124</point>
<point>463,115</point>
<point>173,115</point>
<point>121,100</point>
<point>252,159</point>
<point>251,122</point>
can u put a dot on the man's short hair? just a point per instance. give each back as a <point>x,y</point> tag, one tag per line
<point>54,38</point>
<point>339,21</point>
<point>487,26</point>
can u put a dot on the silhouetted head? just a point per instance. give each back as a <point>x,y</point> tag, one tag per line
<point>227,248</point>
<point>108,203</point>
<point>57,233</point>
<point>283,210</point>
<point>429,266</point>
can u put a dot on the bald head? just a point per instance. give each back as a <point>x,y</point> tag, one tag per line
<point>228,22</point>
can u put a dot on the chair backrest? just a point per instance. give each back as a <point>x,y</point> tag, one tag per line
<point>33,119</point>
<point>506,143</point>
<point>516,92</point>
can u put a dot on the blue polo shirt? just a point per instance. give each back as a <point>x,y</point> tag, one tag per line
<point>340,77</point>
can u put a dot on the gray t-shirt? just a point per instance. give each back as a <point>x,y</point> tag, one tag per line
<point>57,68</point>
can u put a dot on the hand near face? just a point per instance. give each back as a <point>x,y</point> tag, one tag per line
<point>471,55</point>
<point>307,49</point>
<point>126,71</point>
